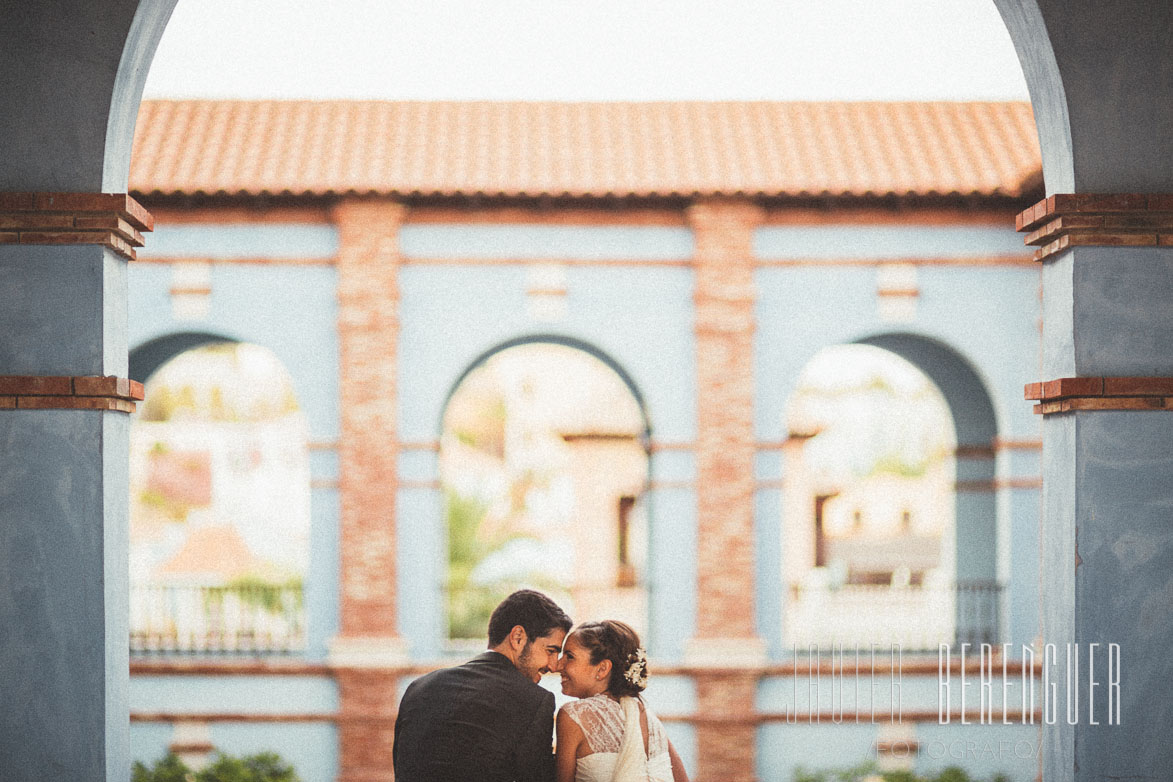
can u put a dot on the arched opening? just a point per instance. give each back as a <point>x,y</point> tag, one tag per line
<point>544,466</point>
<point>884,543</point>
<point>219,501</point>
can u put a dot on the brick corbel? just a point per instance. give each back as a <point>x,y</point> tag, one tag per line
<point>113,220</point>
<point>1069,394</point>
<point>66,392</point>
<point>1067,220</point>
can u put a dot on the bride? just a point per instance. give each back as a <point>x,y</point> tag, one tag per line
<point>609,734</point>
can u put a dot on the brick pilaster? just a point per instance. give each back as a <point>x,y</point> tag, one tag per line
<point>724,298</point>
<point>724,301</point>
<point>368,647</point>
<point>368,330</point>
<point>368,700</point>
<point>727,733</point>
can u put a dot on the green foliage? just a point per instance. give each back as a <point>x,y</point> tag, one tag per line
<point>218,409</point>
<point>864,770</point>
<point>469,604</point>
<point>265,767</point>
<point>468,607</point>
<point>856,773</point>
<point>893,463</point>
<point>166,769</point>
<point>274,598</point>
<point>852,774</point>
<point>171,508</point>
<point>900,776</point>
<point>953,774</point>
<point>159,405</point>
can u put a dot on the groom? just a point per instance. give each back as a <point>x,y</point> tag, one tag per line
<point>487,720</point>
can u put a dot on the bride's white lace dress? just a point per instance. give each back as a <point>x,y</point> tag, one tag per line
<point>604,723</point>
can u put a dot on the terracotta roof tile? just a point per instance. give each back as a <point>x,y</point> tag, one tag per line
<point>583,149</point>
<point>215,551</point>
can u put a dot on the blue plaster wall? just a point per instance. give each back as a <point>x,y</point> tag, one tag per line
<point>234,694</point>
<point>250,240</point>
<point>291,310</point>
<point>986,315</point>
<point>310,747</point>
<point>845,242</point>
<point>640,318</point>
<point>446,240</point>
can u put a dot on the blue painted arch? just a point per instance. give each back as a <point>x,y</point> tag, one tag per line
<point>321,571</point>
<point>970,404</point>
<point>437,515</point>
<point>147,358</point>
<point>971,408</point>
<point>565,341</point>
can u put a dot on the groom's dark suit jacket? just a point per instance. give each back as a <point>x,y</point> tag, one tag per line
<point>483,721</point>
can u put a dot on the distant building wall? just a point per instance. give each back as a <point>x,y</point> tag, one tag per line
<point>628,289</point>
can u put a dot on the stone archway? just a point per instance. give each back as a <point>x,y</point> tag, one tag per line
<point>1101,88</point>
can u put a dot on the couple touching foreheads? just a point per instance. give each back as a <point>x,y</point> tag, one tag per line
<point>489,721</point>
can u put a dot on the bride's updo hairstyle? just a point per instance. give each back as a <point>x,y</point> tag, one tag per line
<point>617,642</point>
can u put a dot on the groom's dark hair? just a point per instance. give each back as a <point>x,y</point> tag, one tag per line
<point>535,612</point>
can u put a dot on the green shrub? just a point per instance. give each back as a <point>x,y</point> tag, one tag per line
<point>953,774</point>
<point>860,772</point>
<point>167,769</point>
<point>265,767</point>
<point>852,774</point>
<point>900,776</point>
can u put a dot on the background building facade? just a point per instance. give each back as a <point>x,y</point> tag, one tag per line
<point>704,254</point>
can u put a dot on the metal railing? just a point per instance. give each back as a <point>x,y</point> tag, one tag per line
<point>253,619</point>
<point>917,618</point>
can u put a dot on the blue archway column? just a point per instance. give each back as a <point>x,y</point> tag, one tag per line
<point>72,77</point>
<point>1101,81</point>
<point>64,399</point>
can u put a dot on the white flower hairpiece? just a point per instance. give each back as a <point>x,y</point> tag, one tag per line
<point>637,669</point>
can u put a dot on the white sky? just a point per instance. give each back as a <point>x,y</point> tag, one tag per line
<point>588,50</point>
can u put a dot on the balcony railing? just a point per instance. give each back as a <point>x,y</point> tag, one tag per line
<point>249,619</point>
<point>917,618</point>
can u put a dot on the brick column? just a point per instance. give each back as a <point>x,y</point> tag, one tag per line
<point>726,730</point>
<point>368,652</point>
<point>366,724</point>
<point>725,637</point>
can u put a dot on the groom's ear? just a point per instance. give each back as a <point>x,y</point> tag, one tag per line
<point>517,637</point>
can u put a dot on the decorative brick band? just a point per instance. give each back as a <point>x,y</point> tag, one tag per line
<point>113,220</point>
<point>247,717</point>
<point>40,392</point>
<point>1101,393</point>
<point>1097,220</point>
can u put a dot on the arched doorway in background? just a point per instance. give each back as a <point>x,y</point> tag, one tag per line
<point>544,465</point>
<point>219,501</point>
